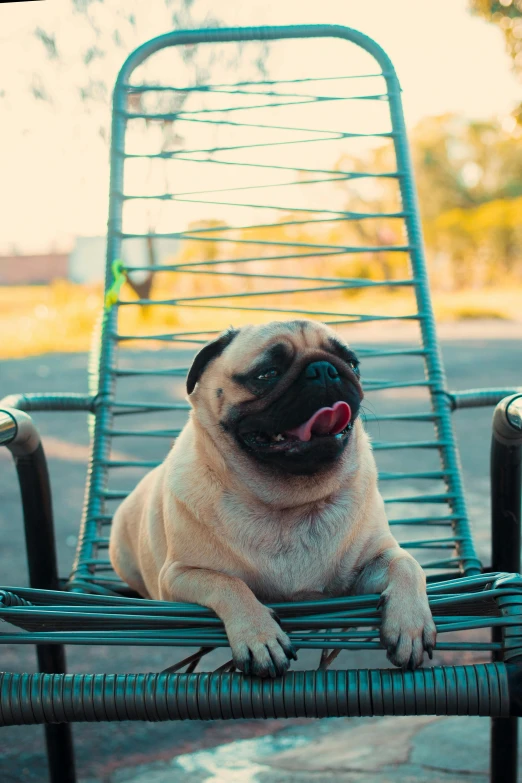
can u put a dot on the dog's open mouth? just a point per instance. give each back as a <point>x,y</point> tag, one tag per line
<point>334,422</point>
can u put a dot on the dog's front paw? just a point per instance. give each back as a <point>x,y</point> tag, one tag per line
<point>259,644</point>
<point>407,628</point>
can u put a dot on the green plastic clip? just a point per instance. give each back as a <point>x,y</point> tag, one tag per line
<point>119,275</point>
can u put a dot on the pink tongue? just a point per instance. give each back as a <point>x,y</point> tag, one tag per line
<point>325,421</point>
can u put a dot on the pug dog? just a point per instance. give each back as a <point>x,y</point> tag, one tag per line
<point>270,494</point>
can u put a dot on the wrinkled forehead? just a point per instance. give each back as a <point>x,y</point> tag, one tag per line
<point>284,337</point>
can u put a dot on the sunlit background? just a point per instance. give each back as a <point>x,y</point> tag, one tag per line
<point>59,60</point>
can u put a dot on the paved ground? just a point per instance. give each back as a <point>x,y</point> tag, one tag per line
<point>392,750</point>
<point>248,752</point>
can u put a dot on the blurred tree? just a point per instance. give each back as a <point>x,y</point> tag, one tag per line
<point>507,15</point>
<point>201,242</point>
<point>469,176</point>
<point>469,179</point>
<point>83,75</point>
<point>461,163</point>
<point>484,244</point>
<point>107,31</point>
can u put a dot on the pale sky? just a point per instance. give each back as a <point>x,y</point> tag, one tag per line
<point>54,167</point>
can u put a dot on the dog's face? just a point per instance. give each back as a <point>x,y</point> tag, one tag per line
<point>286,394</point>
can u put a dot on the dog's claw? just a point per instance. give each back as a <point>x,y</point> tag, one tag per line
<point>259,645</point>
<point>410,666</point>
<point>264,670</point>
<point>289,650</point>
<point>244,663</point>
<point>406,633</point>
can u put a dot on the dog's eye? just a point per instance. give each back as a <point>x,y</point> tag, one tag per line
<point>268,375</point>
<point>355,367</point>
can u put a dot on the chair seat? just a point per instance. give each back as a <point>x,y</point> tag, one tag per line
<point>460,608</point>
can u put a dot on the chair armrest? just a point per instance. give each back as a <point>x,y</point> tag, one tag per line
<point>506,478</point>
<point>51,402</point>
<point>479,398</point>
<point>20,435</point>
<point>18,432</point>
<point>507,421</point>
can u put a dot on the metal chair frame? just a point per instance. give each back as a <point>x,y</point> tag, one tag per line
<point>93,607</point>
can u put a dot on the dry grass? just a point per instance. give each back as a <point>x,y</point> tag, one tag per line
<point>61,317</point>
<point>42,319</point>
<point>497,303</point>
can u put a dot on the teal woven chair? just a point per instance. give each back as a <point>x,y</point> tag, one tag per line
<point>276,196</point>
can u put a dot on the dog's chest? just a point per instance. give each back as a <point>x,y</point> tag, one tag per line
<point>289,553</point>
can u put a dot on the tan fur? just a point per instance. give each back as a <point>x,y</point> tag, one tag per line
<point>209,526</point>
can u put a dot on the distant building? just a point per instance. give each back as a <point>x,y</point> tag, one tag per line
<point>33,270</point>
<point>87,259</point>
<point>85,263</point>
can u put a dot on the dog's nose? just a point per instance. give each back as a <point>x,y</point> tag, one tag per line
<point>321,372</point>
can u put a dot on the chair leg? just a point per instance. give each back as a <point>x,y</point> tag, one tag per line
<point>58,737</point>
<point>504,750</point>
<point>503,757</point>
<point>506,540</point>
<point>43,574</point>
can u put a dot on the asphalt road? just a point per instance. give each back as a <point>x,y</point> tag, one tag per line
<point>470,362</point>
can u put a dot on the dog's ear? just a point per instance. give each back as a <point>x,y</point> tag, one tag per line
<point>209,352</point>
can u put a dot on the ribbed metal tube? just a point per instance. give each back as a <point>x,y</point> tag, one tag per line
<point>479,398</point>
<point>8,428</point>
<point>50,402</point>
<point>18,433</point>
<point>450,690</point>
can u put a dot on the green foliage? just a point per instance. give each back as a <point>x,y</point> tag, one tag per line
<point>469,178</point>
<point>507,15</point>
<point>81,75</point>
<point>484,243</point>
<point>470,188</point>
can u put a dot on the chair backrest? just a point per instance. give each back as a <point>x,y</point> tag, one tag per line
<point>288,193</point>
